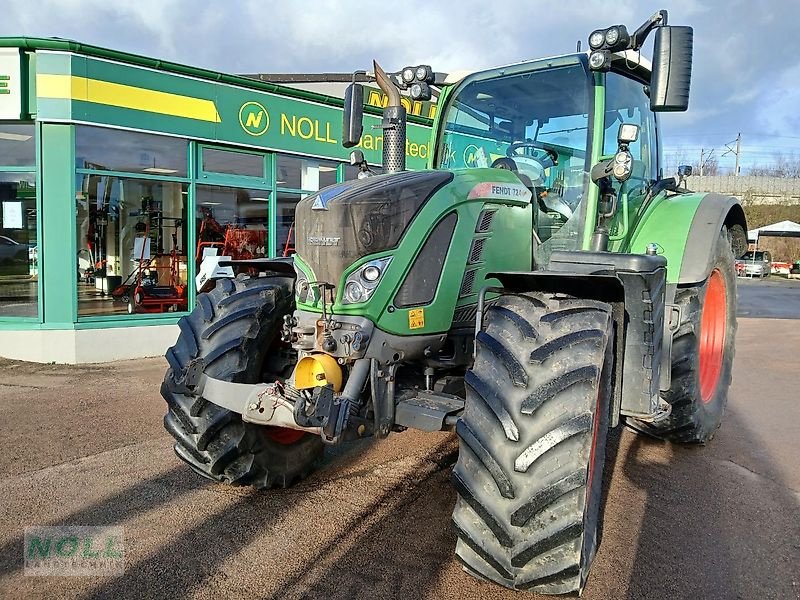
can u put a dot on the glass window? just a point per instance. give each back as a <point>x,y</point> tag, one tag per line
<point>534,123</point>
<point>130,151</point>
<point>17,145</point>
<point>233,163</point>
<point>19,253</point>
<point>231,221</point>
<point>626,102</point>
<point>305,174</point>
<point>131,238</point>
<point>285,225</point>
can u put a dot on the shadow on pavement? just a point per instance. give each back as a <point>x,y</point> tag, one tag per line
<point>140,498</point>
<point>397,555</point>
<point>711,528</point>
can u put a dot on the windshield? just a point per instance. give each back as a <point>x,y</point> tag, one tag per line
<point>534,123</point>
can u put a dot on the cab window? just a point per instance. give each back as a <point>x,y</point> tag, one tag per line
<point>626,102</point>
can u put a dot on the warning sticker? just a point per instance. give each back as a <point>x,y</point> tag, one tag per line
<point>416,318</point>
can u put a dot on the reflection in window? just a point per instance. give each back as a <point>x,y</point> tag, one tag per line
<point>231,222</point>
<point>351,172</point>
<point>130,151</point>
<point>285,225</point>
<point>233,163</point>
<point>305,174</point>
<point>19,252</point>
<point>131,239</point>
<point>17,146</point>
<point>626,102</point>
<point>534,123</point>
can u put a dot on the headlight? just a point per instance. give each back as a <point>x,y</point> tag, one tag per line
<point>408,75</point>
<point>599,60</point>
<point>420,91</point>
<point>623,165</point>
<point>371,273</point>
<point>361,283</point>
<point>424,73</point>
<point>596,39</point>
<point>354,292</point>
<point>302,288</point>
<point>612,36</point>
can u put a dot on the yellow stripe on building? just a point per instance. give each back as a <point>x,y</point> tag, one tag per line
<point>71,87</point>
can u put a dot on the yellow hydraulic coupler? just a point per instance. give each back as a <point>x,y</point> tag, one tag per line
<point>318,369</point>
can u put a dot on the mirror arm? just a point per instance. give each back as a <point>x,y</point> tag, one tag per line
<point>640,35</point>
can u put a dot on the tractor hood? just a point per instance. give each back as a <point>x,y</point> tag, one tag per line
<point>345,222</point>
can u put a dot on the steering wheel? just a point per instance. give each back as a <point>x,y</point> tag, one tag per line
<point>511,152</point>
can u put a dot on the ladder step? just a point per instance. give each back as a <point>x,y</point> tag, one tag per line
<point>427,410</point>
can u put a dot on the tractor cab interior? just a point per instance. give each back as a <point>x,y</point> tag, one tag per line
<point>533,121</point>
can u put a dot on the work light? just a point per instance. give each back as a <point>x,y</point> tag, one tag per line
<point>596,39</point>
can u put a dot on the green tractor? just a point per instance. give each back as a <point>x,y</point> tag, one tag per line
<point>541,283</point>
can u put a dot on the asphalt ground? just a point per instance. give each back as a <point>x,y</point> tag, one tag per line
<point>85,446</point>
<point>773,298</point>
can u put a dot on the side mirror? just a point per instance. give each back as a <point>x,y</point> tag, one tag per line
<point>684,171</point>
<point>672,68</point>
<point>353,115</point>
<point>356,157</point>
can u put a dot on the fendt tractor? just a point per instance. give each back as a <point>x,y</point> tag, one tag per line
<point>540,284</point>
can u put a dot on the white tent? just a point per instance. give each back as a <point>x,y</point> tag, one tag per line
<point>782,229</point>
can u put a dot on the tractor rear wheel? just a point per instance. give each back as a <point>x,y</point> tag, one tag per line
<point>235,331</point>
<point>532,443</point>
<point>702,355</point>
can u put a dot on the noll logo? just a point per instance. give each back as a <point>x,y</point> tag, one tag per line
<point>254,118</point>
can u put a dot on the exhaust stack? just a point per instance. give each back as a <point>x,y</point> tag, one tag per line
<point>393,124</point>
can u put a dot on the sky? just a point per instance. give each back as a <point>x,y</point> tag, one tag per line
<point>746,77</point>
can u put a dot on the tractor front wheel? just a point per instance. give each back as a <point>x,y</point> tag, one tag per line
<point>532,443</point>
<point>234,330</point>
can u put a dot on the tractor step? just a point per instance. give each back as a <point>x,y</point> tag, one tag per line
<point>428,410</point>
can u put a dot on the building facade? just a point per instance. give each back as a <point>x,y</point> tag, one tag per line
<point>118,173</point>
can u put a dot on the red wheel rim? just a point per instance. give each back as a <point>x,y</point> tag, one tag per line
<point>284,435</point>
<point>713,324</point>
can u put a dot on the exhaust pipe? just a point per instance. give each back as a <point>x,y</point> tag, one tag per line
<point>393,124</point>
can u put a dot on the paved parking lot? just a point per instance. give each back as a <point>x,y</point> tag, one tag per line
<point>85,446</point>
<point>771,298</point>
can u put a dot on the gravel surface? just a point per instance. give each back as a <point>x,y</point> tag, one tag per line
<point>85,445</point>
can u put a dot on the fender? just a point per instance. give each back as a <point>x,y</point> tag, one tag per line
<point>686,227</point>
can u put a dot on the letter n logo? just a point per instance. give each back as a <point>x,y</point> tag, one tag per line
<point>254,118</point>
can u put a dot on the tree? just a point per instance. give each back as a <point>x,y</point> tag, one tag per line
<point>710,166</point>
<point>782,166</point>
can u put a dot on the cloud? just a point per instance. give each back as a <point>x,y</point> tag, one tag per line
<point>742,75</point>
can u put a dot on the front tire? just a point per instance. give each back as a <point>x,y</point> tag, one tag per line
<point>233,334</point>
<point>702,356</point>
<point>532,443</point>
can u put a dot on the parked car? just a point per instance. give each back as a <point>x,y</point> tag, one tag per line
<point>754,264</point>
<point>12,251</point>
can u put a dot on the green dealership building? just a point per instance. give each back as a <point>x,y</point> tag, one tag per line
<point>118,173</point>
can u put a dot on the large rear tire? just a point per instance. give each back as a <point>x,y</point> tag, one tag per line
<point>233,333</point>
<point>702,355</point>
<point>532,443</point>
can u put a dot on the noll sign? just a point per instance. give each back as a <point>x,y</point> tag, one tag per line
<point>74,550</point>
<point>10,84</point>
